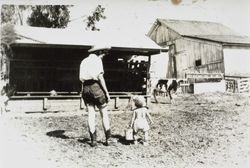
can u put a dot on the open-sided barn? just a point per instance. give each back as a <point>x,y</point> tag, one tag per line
<point>202,47</point>
<point>46,59</point>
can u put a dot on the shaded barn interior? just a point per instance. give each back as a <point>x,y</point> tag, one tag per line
<point>42,69</point>
<point>123,74</point>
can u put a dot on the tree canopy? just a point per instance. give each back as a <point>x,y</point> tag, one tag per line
<point>12,13</point>
<point>8,35</point>
<point>51,16</point>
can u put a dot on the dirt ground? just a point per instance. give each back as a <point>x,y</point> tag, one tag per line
<point>202,130</point>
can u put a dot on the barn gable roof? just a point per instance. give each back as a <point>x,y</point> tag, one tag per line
<point>203,30</point>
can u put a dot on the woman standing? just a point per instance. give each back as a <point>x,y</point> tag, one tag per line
<point>94,91</point>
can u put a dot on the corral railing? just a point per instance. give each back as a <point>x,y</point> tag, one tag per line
<point>237,84</point>
<point>231,85</point>
<point>204,75</point>
<point>196,77</point>
<point>185,86</point>
<point>244,85</point>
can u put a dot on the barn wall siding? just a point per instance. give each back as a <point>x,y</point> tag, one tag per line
<point>189,50</point>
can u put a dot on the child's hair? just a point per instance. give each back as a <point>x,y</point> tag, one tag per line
<point>139,101</point>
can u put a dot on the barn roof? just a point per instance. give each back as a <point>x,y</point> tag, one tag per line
<point>82,38</point>
<point>203,30</point>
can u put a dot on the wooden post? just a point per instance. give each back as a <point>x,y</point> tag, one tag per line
<point>129,106</point>
<point>45,103</point>
<point>116,102</point>
<point>82,104</point>
<point>148,83</point>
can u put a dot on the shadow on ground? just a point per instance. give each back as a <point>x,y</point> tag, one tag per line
<point>42,112</point>
<point>61,134</point>
<point>57,134</point>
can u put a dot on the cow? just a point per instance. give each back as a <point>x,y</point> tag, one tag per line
<point>164,87</point>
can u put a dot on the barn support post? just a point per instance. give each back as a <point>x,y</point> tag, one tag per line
<point>116,103</point>
<point>223,60</point>
<point>45,103</point>
<point>171,72</point>
<point>148,82</point>
<point>129,106</point>
<point>174,68</point>
<point>174,62</point>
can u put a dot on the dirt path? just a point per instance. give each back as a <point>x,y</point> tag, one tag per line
<point>206,130</point>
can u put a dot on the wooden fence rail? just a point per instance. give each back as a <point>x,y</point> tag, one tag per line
<point>45,97</point>
<point>204,76</point>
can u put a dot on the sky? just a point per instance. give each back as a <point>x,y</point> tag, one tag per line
<point>138,15</point>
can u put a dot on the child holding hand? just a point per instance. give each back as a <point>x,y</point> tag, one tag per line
<point>139,121</point>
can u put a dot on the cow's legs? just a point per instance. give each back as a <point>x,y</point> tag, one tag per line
<point>170,96</point>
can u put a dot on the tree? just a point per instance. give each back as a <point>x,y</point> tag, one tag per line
<point>95,17</point>
<point>51,16</point>
<point>8,36</point>
<point>177,2</point>
<point>13,13</point>
<point>9,17</point>
<point>7,13</point>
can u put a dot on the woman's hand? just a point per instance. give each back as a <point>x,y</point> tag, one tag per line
<point>107,97</point>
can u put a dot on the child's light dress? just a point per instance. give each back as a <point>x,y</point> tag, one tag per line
<point>140,122</point>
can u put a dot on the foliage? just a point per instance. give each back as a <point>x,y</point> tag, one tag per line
<point>7,13</point>
<point>51,16</point>
<point>178,2</point>
<point>13,13</point>
<point>8,36</point>
<point>95,17</point>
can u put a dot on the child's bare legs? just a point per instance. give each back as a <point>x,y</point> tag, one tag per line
<point>145,138</point>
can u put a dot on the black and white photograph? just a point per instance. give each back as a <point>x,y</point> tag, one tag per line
<point>125,84</point>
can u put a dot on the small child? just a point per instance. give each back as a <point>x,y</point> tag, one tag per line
<point>139,120</point>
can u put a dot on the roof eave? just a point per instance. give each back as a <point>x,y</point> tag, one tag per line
<point>200,38</point>
<point>46,45</point>
<point>236,45</point>
<point>140,51</point>
<point>221,42</point>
